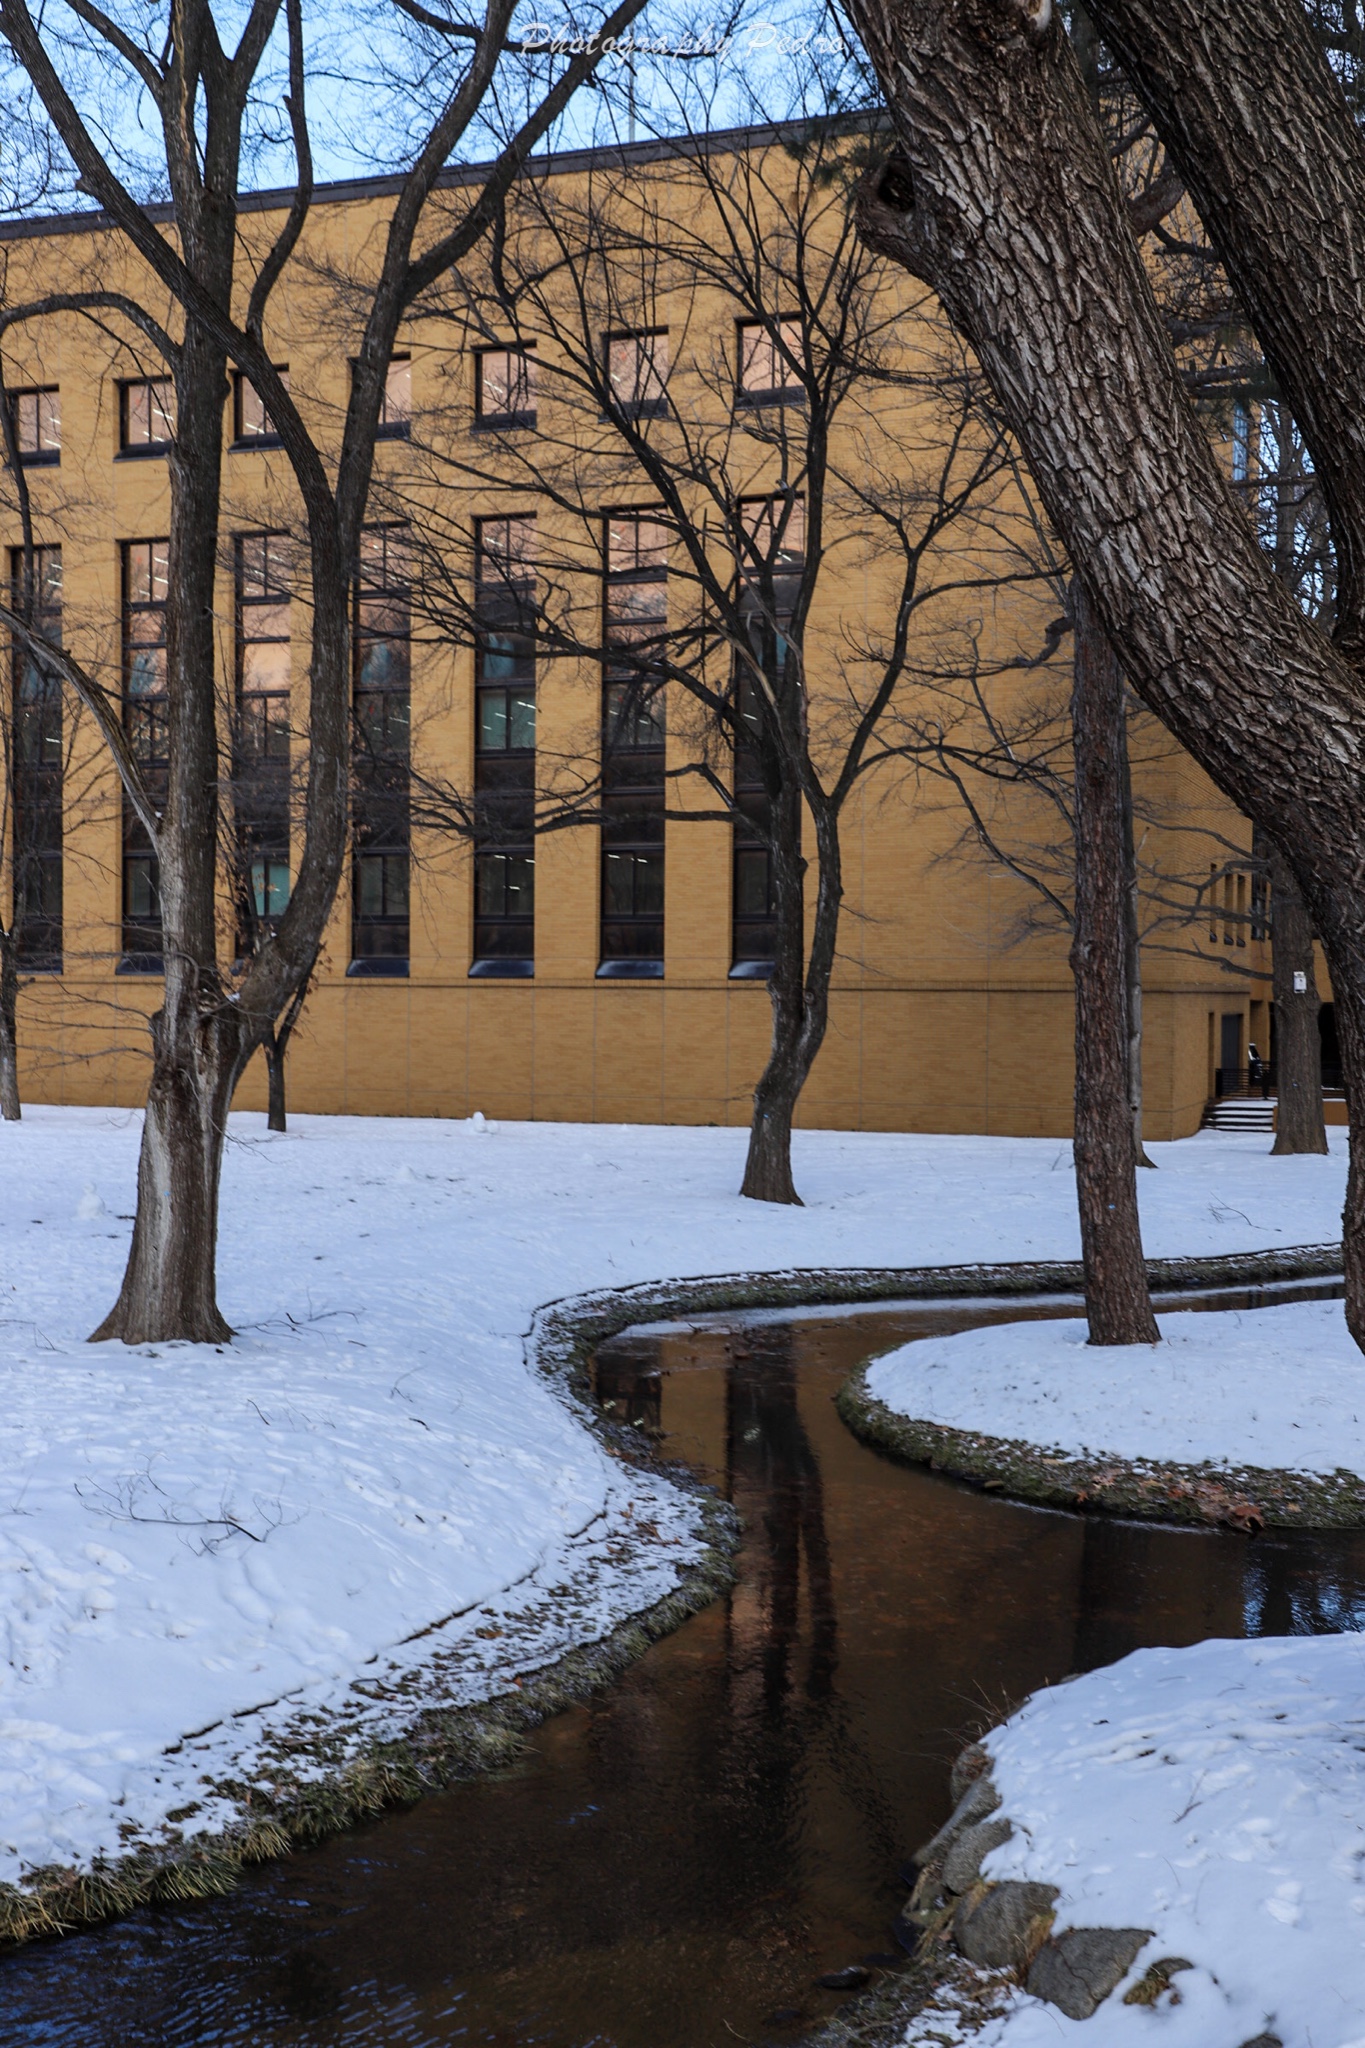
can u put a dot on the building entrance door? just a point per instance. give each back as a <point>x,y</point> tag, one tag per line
<point>1230,1052</point>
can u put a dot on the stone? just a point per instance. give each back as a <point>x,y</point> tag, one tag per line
<point>962,1864</point>
<point>908,1931</point>
<point>1155,1981</point>
<point>845,1980</point>
<point>1076,1971</point>
<point>1001,1929</point>
<point>970,1764</point>
<point>979,1799</point>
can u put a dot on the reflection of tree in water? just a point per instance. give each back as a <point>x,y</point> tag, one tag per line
<point>774,1480</point>
<point>1308,1586</point>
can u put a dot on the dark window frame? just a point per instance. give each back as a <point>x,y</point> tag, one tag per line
<point>630,940</point>
<point>137,957</point>
<point>381,942</point>
<point>35,458</point>
<point>517,416</point>
<point>503,943</point>
<point>399,428</point>
<point>637,408</point>
<point>38,823</point>
<point>750,960</point>
<point>241,438</point>
<point>134,451</point>
<point>754,395</point>
<point>261,772</point>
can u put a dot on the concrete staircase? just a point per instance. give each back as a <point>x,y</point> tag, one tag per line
<point>1239,1113</point>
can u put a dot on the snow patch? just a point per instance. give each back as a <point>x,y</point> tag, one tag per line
<point>1282,1387</point>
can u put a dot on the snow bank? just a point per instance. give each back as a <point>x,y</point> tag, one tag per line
<point>1267,1387</point>
<point>1215,1795</point>
<point>196,1544</point>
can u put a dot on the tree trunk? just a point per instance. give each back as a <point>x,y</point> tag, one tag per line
<point>768,1164</point>
<point>274,1066</point>
<point>798,991</point>
<point>1132,961</point>
<point>1001,197</point>
<point>170,1286</point>
<point>1117,1301</point>
<point>197,1037</point>
<point>9,1031</point>
<point>1299,1125</point>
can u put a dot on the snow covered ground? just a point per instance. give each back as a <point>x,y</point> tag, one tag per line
<point>1266,1387</point>
<point>196,1543</point>
<point>1215,1795</point>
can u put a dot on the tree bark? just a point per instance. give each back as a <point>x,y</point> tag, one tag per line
<point>198,1043</point>
<point>1132,960</point>
<point>1299,1125</point>
<point>799,993</point>
<point>1246,104</point>
<point>9,1031</point>
<point>275,1118</point>
<point>170,1283</point>
<point>1002,198</point>
<point>1117,1301</point>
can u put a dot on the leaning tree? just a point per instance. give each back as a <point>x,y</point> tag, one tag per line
<point>1000,194</point>
<point>199,302</point>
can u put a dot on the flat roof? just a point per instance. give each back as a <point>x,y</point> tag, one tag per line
<point>554,162</point>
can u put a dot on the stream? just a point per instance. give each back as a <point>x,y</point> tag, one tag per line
<point>676,1863</point>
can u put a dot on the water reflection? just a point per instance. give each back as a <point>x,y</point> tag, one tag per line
<point>677,1862</point>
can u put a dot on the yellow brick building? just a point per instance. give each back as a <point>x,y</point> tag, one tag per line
<point>942,1018</point>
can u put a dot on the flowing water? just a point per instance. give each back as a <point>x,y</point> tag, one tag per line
<point>677,1862</point>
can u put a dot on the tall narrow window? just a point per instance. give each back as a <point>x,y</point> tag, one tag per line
<point>1241,441</point>
<point>505,747</point>
<point>36,912</point>
<point>147,415</point>
<point>637,372</point>
<point>383,630</point>
<point>505,387</point>
<point>145,566</point>
<point>752,924</point>
<point>37,417</point>
<point>261,739</point>
<point>635,619</point>
<point>774,532</point>
<point>395,407</point>
<point>768,351</point>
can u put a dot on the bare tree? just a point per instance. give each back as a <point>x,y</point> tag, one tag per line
<point>1032,252</point>
<point>799,442</point>
<point>199,94</point>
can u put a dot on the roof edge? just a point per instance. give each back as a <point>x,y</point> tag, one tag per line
<point>555,163</point>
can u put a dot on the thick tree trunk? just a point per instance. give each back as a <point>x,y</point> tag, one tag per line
<point>1117,1301</point>
<point>1001,197</point>
<point>170,1286</point>
<point>1132,961</point>
<point>275,1119</point>
<point>1299,1125</point>
<point>197,1038</point>
<point>9,1032</point>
